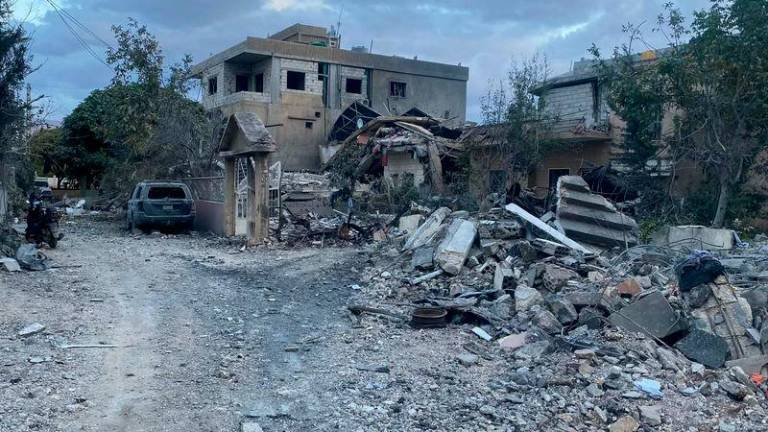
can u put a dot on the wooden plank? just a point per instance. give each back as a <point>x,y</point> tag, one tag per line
<point>436,168</point>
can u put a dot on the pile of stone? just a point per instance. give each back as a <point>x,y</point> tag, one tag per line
<point>511,273</point>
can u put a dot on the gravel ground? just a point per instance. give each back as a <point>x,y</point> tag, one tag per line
<point>204,336</point>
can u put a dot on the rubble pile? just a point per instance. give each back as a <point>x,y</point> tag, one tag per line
<point>629,324</point>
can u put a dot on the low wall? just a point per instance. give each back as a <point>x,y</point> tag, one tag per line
<point>209,216</point>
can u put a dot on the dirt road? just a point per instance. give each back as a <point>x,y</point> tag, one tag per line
<point>204,335</point>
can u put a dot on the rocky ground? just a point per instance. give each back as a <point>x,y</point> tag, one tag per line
<point>192,333</point>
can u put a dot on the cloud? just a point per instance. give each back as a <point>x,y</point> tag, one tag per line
<point>300,5</point>
<point>486,36</point>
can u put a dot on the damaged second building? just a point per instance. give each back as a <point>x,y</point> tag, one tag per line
<point>299,82</point>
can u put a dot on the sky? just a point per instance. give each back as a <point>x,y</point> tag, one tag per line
<point>485,35</point>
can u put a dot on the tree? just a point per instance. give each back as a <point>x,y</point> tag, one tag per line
<point>41,147</point>
<point>14,67</point>
<point>716,82</point>
<point>142,125</point>
<point>518,107</point>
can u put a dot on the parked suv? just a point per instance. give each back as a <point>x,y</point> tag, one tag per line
<point>161,204</point>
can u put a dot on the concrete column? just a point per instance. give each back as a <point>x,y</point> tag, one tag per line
<point>229,196</point>
<point>274,81</point>
<point>332,82</point>
<point>258,199</point>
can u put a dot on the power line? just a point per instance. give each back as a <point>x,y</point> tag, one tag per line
<point>82,26</point>
<point>74,32</point>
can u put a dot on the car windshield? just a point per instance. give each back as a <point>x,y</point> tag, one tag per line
<point>163,192</point>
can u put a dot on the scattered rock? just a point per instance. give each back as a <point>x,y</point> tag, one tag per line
<point>735,390</point>
<point>513,341</point>
<point>651,415</point>
<point>546,321</point>
<point>624,424</point>
<point>467,359</point>
<point>564,311</point>
<point>526,297</point>
<point>31,329</point>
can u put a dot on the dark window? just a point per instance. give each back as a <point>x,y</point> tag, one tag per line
<point>555,174</point>
<point>213,85</point>
<point>137,195</point>
<point>241,83</point>
<point>163,192</point>
<point>397,89</point>
<point>259,83</point>
<point>296,80</point>
<point>321,71</point>
<point>317,114</point>
<point>308,125</point>
<point>354,86</point>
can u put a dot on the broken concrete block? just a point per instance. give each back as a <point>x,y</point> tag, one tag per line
<point>410,223</point>
<point>736,391</point>
<point>427,232</point>
<point>526,297</point>
<point>453,250</point>
<point>555,277</point>
<point>550,248</point>
<point>546,321</point>
<point>422,258</point>
<point>490,247</point>
<point>503,277</point>
<point>467,359</point>
<point>591,218</point>
<point>750,365</point>
<point>513,341</point>
<point>651,314</point>
<point>703,347</point>
<point>700,238</point>
<point>564,311</point>
<point>624,424</point>
<point>31,329</point>
<point>524,250</point>
<point>10,264</point>
<point>651,415</point>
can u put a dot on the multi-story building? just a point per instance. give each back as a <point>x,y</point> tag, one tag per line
<point>298,81</point>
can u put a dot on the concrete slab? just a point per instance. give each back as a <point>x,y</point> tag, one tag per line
<point>422,258</point>
<point>651,314</point>
<point>410,223</point>
<point>10,264</point>
<point>452,252</point>
<point>428,230</point>
<point>704,347</point>
<point>700,237</point>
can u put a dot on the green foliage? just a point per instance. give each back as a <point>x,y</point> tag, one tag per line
<point>716,83</point>
<point>518,106</point>
<point>648,227</point>
<point>41,147</point>
<point>140,126</point>
<point>14,67</point>
<point>402,193</point>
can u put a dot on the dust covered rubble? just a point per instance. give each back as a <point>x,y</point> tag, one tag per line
<point>583,341</point>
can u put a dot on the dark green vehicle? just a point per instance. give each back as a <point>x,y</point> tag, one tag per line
<point>161,204</point>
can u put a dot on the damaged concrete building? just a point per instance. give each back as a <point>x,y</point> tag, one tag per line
<point>299,81</point>
<point>592,134</point>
